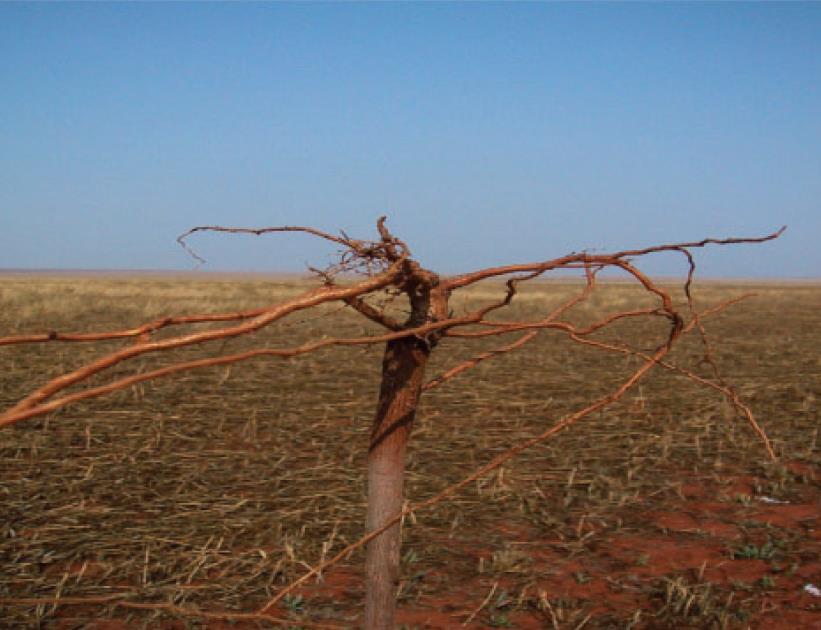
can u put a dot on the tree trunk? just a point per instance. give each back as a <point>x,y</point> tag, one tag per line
<point>403,371</point>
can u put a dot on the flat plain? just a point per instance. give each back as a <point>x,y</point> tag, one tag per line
<point>215,488</point>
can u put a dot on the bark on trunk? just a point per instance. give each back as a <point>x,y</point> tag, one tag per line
<point>403,371</point>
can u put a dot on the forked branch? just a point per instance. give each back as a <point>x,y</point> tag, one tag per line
<point>389,270</point>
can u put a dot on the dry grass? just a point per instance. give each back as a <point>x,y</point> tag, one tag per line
<point>216,488</point>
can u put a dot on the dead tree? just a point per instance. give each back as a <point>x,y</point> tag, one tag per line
<point>385,266</point>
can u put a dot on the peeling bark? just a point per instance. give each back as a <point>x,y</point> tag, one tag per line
<point>403,371</point>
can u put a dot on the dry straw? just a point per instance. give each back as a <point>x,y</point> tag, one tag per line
<point>387,270</point>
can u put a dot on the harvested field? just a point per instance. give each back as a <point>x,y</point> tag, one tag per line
<point>216,488</point>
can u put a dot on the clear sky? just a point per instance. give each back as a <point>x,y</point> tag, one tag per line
<point>488,133</point>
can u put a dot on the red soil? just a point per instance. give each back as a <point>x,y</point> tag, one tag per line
<point>756,556</point>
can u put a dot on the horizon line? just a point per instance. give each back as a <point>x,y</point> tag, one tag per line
<point>136,272</point>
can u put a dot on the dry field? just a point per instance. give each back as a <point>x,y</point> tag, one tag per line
<point>216,488</point>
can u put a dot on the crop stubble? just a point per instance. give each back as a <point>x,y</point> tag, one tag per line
<point>216,488</point>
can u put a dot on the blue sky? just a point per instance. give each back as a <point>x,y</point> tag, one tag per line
<point>488,133</point>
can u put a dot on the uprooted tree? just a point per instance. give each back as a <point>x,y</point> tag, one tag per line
<point>384,272</point>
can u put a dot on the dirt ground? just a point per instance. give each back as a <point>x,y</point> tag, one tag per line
<point>214,490</point>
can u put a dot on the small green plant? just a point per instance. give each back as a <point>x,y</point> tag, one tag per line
<point>294,603</point>
<point>744,499</point>
<point>755,552</point>
<point>767,581</point>
<point>411,588</point>
<point>741,614</point>
<point>642,560</point>
<point>500,620</point>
